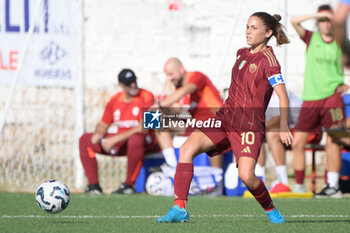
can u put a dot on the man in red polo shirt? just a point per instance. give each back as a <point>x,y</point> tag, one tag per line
<point>193,91</point>
<point>124,110</point>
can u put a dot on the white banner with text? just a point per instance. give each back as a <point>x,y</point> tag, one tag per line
<point>54,49</point>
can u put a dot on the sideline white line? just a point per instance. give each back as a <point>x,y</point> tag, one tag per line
<point>155,216</point>
<point>79,216</point>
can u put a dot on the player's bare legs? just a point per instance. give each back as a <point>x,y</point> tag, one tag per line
<point>333,152</point>
<point>164,139</point>
<point>257,188</point>
<point>216,161</point>
<point>300,139</point>
<point>196,143</point>
<point>246,167</point>
<point>262,156</point>
<point>276,148</point>
<point>279,155</point>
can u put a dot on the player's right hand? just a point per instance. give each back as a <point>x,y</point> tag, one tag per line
<point>286,136</point>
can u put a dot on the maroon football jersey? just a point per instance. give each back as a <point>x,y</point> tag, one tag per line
<point>250,90</point>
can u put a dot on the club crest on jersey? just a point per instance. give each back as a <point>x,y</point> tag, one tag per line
<point>252,68</point>
<point>135,111</point>
<point>242,64</point>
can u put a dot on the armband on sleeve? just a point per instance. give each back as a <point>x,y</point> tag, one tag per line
<point>276,79</point>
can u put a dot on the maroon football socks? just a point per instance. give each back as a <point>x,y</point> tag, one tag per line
<point>182,182</point>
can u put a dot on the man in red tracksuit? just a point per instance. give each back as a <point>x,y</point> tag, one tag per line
<point>124,110</point>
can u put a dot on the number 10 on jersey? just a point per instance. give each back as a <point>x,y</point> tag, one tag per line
<point>248,138</point>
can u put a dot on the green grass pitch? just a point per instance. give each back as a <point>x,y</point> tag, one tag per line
<point>138,213</point>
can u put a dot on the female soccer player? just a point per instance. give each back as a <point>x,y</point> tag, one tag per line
<point>255,75</point>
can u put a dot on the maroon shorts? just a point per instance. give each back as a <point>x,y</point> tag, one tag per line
<point>242,143</point>
<point>327,113</point>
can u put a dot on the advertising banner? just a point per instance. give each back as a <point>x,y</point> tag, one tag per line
<point>53,51</point>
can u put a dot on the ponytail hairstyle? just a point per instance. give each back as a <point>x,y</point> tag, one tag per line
<point>272,23</point>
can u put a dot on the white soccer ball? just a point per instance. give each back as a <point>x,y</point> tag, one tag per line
<point>154,183</point>
<point>52,196</point>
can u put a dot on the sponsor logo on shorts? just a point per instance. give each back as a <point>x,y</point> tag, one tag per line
<point>246,150</point>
